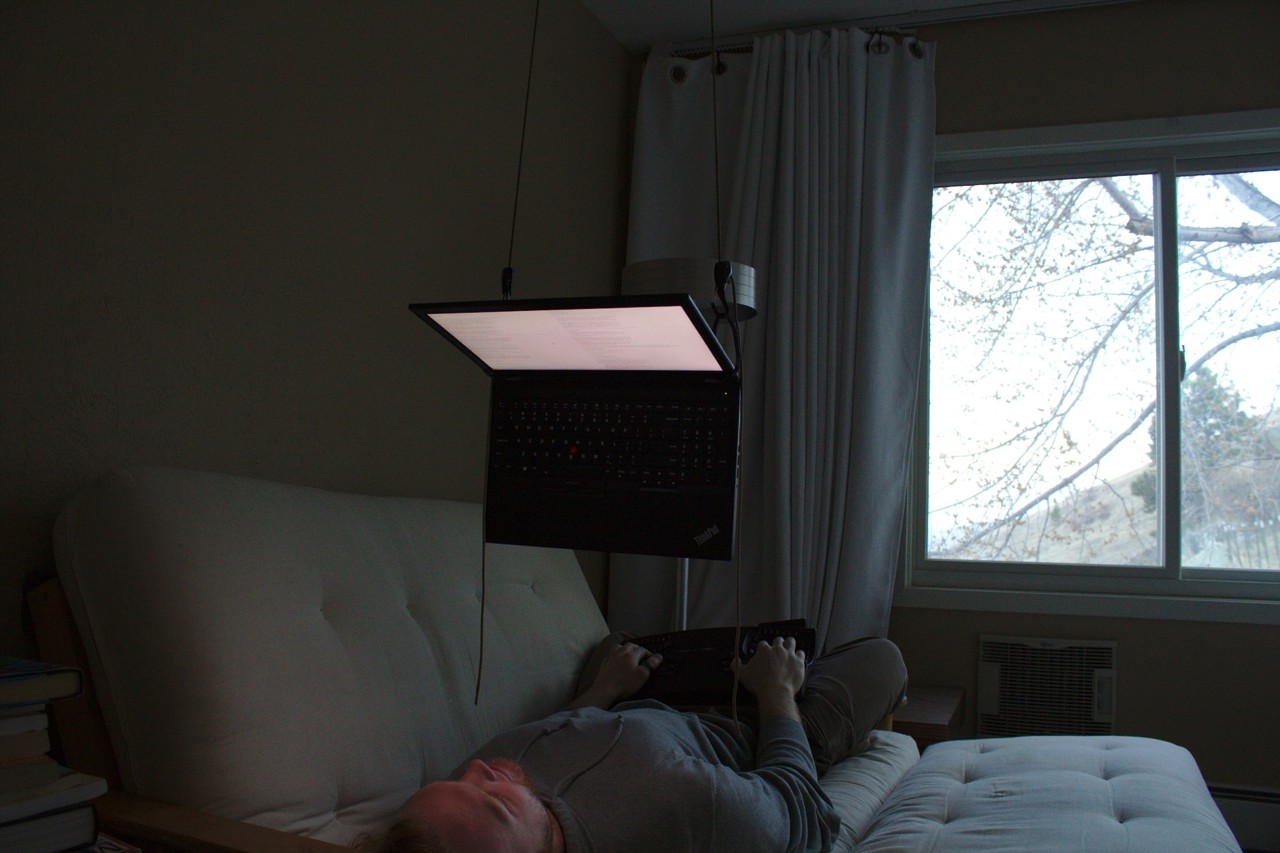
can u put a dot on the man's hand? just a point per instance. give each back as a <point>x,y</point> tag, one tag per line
<point>774,675</point>
<point>624,671</point>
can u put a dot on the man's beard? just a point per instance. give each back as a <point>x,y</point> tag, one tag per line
<point>517,774</point>
<point>515,771</point>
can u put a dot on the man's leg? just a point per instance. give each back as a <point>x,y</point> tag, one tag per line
<point>848,690</point>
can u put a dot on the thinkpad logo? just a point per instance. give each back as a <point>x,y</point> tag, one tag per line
<point>705,535</point>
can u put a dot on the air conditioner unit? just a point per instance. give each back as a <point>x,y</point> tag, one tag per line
<point>1032,686</point>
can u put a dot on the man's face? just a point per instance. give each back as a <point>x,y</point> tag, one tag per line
<point>491,807</point>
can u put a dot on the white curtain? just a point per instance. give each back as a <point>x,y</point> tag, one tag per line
<point>826,175</point>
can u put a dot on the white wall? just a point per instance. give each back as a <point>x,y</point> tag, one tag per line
<point>215,214</point>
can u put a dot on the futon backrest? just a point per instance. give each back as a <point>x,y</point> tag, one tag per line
<point>306,659</point>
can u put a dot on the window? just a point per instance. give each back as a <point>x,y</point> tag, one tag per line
<point>1099,410</point>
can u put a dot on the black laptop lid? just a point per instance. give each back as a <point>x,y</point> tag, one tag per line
<point>641,333</point>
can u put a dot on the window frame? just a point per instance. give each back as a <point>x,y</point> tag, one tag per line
<point>1168,149</point>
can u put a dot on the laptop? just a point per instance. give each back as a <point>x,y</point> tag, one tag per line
<point>613,422</point>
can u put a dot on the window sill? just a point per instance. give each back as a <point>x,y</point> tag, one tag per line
<point>1188,608</point>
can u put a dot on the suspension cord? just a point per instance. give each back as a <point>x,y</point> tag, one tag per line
<point>507,273</point>
<point>715,125</point>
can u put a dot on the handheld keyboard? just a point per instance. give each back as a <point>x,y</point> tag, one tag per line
<point>695,669</point>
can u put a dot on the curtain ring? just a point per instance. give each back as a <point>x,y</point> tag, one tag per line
<point>678,73</point>
<point>877,45</point>
<point>917,49</point>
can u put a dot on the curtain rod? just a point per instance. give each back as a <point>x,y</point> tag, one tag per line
<point>691,50</point>
<point>901,24</point>
<point>697,50</point>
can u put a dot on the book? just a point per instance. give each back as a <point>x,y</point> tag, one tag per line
<point>19,745</point>
<point>22,720</point>
<point>23,733</point>
<point>68,829</point>
<point>35,787</point>
<point>27,772</point>
<point>111,844</point>
<point>27,682</point>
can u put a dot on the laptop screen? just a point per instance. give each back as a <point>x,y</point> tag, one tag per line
<point>629,333</point>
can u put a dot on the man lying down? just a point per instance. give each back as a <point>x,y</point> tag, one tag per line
<point>610,776</point>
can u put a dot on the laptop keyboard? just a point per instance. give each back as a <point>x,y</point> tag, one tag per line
<point>650,443</point>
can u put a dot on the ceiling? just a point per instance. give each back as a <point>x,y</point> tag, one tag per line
<point>640,24</point>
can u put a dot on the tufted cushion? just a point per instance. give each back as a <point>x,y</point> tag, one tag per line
<point>860,783</point>
<point>306,659</point>
<point>1098,794</point>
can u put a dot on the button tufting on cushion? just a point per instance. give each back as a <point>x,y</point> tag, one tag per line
<point>336,636</point>
<point>1051,794</point>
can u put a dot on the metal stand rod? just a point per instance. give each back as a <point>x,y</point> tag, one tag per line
<point>682,592</point>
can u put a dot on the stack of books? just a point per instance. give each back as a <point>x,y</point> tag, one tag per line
<point>44,807</point>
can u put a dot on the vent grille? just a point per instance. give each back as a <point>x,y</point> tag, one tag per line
<point>1033,686</point>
